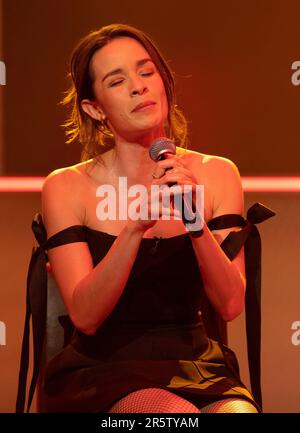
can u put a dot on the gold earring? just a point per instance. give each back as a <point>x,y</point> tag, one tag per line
<point>101,117</point>
<point>103,127</point>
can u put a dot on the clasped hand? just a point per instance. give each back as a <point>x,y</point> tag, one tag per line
<point>169,172</point>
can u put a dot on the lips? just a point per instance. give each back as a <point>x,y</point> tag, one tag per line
<point>143,105</point>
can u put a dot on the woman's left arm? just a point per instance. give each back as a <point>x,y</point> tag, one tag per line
<point>224,280</point>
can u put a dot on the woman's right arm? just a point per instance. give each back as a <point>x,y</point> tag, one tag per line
<point>96,294</point>
<point>89,293</point>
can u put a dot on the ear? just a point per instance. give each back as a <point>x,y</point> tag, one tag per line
<point>92,109</point>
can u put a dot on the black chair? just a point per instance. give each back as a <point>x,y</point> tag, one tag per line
<point>58,333</point>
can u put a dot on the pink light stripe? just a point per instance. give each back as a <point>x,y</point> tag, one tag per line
<point>250,184</point>
<point>21,184</point>
<point>271,184</point>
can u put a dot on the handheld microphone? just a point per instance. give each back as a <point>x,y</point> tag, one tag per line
<point>158,151</point>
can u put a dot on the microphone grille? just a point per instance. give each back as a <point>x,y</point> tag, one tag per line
<point>160,146</point>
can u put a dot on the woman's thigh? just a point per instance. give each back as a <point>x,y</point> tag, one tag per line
<point>153,400</point>
<point>230,405</point>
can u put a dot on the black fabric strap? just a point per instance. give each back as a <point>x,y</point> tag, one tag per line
<point>24,362</point>
<point>249,237</point>
<point>75,233</point>
<point>36,303</point>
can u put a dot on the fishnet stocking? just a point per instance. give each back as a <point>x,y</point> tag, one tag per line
<point>230,405</point>
<point>152,400</point>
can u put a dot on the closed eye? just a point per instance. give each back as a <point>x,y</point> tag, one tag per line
<point>115,83</point>
<point>145,74</point>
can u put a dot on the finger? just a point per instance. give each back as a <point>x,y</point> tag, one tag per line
<point>179,170</point>
<point>180,178</point>
<point>161,205</point>
<point>178,157</point>
<point>167,165</point>
<point>176,213</point>
<point>158,172</point>
<point>170,163</point>
<point>168,213</point>
<point>160,197</point>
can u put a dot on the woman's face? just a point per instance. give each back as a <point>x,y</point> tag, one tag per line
<point>125,77</point>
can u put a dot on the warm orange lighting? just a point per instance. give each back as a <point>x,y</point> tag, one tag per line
<point>250,184</point>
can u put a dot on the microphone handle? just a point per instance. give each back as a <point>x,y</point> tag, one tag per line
<point>187,214</point>
<point>186,209</point>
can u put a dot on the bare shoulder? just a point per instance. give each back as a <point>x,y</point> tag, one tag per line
<point>62,181</point>
<point>222,171</point>
<point>221,178</point>
<point>213,166</point>
<point>226,184</point>
<point>62,198</point>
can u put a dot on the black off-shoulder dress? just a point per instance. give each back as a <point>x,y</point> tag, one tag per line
<point>162,332</point>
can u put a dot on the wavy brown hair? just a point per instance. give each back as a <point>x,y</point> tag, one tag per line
<point>91,133</point>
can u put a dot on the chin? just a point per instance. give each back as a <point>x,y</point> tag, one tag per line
<point>155,130</point>
<point>151,126</point>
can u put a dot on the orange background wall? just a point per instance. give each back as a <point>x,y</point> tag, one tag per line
<point>233,69</point>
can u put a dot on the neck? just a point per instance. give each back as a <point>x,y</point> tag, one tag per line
<point>131,159</point>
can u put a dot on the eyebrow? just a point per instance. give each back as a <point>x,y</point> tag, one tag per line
<point>120,70</point>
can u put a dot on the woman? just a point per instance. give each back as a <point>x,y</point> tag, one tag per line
<point>132,287</point>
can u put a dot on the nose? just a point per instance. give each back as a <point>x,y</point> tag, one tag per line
<point>138,86</point>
